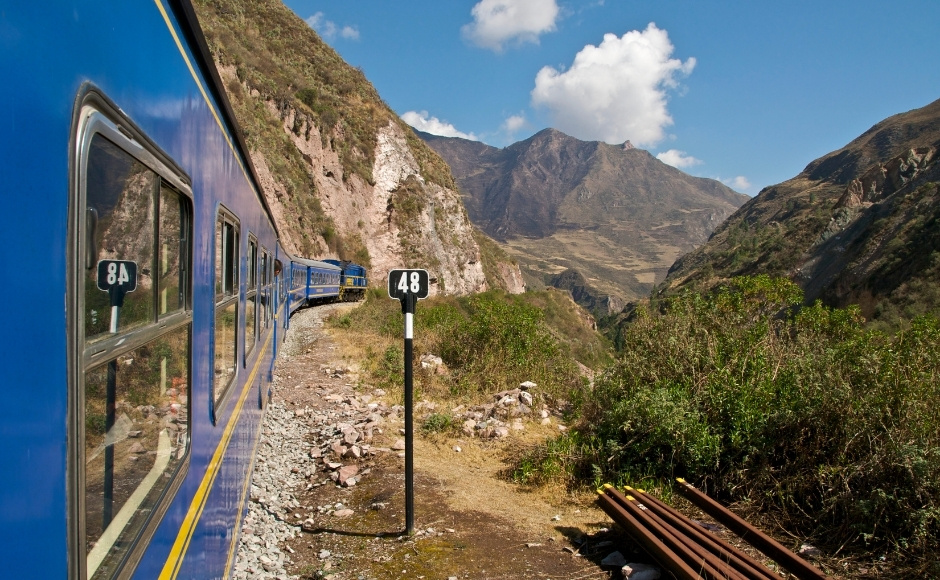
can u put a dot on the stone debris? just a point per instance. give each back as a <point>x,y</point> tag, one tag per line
<point>303,447</point>
<point>508,412</point>
<point>809,551</point>
<point>433,362</point>
<point>614,560</point>
<point>329,441</point>
<point>640,571</point>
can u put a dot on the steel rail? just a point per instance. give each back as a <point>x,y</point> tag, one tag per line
<point>710,567</point>
<point>656,548</point>
<point>773,549</point>
<point>725,552</point>
<point>719,565</point>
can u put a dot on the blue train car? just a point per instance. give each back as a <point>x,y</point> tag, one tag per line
<point>313,282</point>
<point>137,366</point>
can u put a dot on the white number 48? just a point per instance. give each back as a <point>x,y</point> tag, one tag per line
<point>415,285</point>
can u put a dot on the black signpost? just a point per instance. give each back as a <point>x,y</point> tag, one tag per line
<point>117,278</point>
<point>409,286</point>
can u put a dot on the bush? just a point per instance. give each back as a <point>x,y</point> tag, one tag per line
<point>802,411</point>
<point>500,342</point>
<point>488,342</point>
<point>437,423</point>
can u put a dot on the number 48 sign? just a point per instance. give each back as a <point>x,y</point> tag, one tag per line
<point>401,283</point>
<point>408,286</point>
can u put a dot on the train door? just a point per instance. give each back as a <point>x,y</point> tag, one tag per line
<point>130,321</point>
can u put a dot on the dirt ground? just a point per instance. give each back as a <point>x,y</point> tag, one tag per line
<point>470,521</point>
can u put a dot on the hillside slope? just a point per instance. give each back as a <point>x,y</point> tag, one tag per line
<point>860,225</point>
<point>615,214</point>
<point>344,176</point>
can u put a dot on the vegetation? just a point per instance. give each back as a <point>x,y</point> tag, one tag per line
<point>488,342</point>
<point>801,411</point>
<point>287,84</point>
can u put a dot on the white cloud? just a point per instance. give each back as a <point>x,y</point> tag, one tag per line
<point>497,22</point>
<point>328,29</point>
<point>615,91</point>
<point>740,183</point>
<point>434,126</point>
<point>678,158</point>
<point>513,123</point>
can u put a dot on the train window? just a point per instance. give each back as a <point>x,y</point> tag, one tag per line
<point>251,296</point>
<point>265,290</point>
<point>119,226</point>
<point>170,245</point>
<point>226,302</point>
<point>279,283</point>
<point>264,267</point>
<point>132,240</point>
<point>226,256</point>
<point>136,434</point>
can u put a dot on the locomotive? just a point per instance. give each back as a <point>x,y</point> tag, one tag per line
<point>137,371</point>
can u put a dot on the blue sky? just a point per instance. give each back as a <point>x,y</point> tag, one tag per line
<point>747,92</point>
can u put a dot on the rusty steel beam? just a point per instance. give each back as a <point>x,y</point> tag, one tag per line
<point>726,552</point>
<point>666,557</point>
<point>773,549</point>
<point>695,555</point>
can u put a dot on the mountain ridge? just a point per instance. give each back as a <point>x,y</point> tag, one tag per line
<point>859,225</point>
<point>614,213</point>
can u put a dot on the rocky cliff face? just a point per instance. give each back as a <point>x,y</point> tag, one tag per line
<point>433,232</point>
<point>438,237</point>
<point>343,175</point>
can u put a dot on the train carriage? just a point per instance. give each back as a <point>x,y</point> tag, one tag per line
<point>313,282</point>
<point>151,296</point>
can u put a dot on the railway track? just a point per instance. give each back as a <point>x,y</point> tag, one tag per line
<point>689,553</point>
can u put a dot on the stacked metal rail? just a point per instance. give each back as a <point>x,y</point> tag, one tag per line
<point>687,551</point>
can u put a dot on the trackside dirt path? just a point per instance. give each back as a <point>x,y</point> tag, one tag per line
<point>328,489</point>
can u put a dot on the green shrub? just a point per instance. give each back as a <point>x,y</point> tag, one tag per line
<point>500,342</point>
<point>437,423</point>
<point>488,342</point>
<point>801,411</point>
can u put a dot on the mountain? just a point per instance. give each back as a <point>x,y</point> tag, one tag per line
<point>860,225</point>
<point>343,175</point>
<point>613,213</point>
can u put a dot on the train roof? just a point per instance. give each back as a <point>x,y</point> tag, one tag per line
<point>315,264</point>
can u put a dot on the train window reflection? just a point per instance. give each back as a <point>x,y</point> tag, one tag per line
<point>172,240</point>
<point>226,307</point>
<point>251,293</point>
<point>132,383</point>
<point>121,201</point>
<point>136,434</point>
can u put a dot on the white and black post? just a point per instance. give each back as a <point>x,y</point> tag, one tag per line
<point>117,278</point>
<point>409,286</point>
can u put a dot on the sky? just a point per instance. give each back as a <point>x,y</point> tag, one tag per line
<point>747,92</point>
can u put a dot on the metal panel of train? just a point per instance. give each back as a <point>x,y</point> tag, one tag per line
<point>152,295</point>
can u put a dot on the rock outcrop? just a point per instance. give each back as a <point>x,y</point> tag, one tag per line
<point>439,237</point>
<point>882,180</point>
<point>343,176</point>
